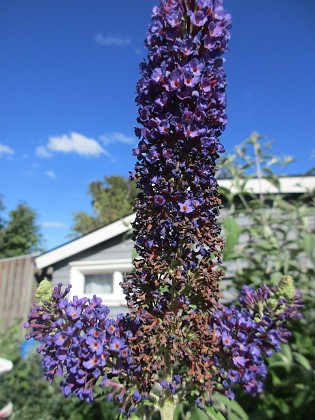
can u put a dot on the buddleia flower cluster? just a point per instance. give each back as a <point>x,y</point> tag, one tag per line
<point>81,344</point>
<point>181,99</point>
<point>177,342</point>
<point>252,331</point>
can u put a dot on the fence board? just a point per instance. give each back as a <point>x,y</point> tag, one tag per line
<point>17,289</point>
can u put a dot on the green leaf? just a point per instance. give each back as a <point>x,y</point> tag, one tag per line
<point>234,407</point>
<point>286,351</point>
<point>284,365</point>
<point>275,277</point>
<point>178,411</point>
<point>237,409</point>
<point>232,233</point>
<point>300,398</point>
<point>302,360</point>
<point>308,244</point>
<point>214,413</point>
<point>276,380</point>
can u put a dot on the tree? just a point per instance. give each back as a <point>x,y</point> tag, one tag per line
<point>1,209</point>
<point>20,235</point>
<point>112,198</point>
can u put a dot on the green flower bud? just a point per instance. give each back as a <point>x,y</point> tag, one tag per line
<point>285,289</point>
<point>44,291</point>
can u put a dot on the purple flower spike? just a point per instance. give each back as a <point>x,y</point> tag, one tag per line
<point>176,234</point>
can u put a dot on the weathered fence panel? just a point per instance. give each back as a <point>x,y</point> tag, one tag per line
<point>17,289</point>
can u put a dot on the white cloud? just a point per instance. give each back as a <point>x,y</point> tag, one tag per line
<point>46,223</point>
<point>43,152</point>
<point>72,143</point>
<point>76,143</point>
<point>111,41</point>
<point>5,150</point>
<point>51,174</point>
<point>117,137</point>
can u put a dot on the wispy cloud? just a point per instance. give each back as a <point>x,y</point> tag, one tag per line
<point>117,137</point>
<point>46,223</point>
<point>43,152</point>
<point>51,174</point>
<point>5,150</point>
<point>111,41</point>
<point>73,143</point>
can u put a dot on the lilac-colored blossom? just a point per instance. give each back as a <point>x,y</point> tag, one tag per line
<point>187,206</point>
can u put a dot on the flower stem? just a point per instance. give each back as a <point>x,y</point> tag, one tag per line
<point>167,410</point>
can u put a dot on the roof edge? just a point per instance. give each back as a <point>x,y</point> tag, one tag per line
<point>84,242</point>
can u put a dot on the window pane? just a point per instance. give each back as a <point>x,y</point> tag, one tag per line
<point>101,283</point>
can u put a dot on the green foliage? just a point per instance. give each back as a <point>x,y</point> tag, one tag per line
<point>268,236</point>
<point>112,198</point>
<point>231,409</point>
<point>20,235</point>
<point>232,233</point>
<point>35,399</point>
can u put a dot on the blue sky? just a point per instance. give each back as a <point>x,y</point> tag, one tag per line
<point>68,74</point>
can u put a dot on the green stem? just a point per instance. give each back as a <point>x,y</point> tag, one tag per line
<point>167,410</point>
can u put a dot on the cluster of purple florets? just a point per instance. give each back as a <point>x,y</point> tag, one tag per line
<point>181,98</point>
<point>251,332</point>
<point>79,343</point>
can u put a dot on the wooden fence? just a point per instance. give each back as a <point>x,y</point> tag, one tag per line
<point>17,289</point>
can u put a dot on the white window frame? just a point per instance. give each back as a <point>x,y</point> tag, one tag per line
<point>78,269</point>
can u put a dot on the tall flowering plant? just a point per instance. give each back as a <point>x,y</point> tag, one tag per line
<point>178,343</point>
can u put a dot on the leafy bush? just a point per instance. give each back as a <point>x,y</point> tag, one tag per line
<point>278,238</point>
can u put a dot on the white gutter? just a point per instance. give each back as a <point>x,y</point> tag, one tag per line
<point>294,184</point>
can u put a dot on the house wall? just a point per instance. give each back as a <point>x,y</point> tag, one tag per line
<point>116,248</point>
<point>112,252</point>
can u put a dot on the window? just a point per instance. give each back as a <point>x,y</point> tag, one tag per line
<point>101,283</point>
<point>101,278</point>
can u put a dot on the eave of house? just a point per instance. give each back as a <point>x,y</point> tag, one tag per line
<point>87,241</point>
<point>288,185</point>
